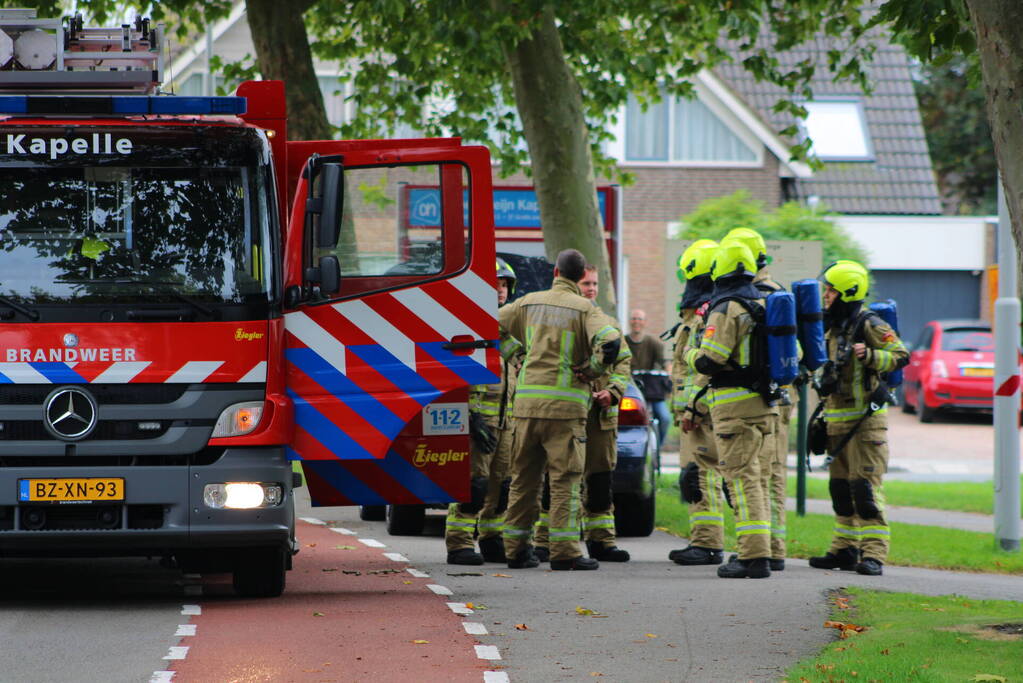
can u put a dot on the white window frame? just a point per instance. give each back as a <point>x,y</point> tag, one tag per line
<point>718,109</point>
<point>868,143</point>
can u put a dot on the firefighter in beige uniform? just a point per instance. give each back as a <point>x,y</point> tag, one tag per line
<point>601,456</point>
<point>700,481</point>
<point>860,347</point>
<point>779,464</point>
<point>490,444</point>
<point>732,353</point>
<point>567,343</point>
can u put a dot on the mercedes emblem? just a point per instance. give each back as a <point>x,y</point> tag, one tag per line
<point>70,413</point>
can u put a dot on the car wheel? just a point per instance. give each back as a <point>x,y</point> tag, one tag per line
<point>405,520</point>
<point>908,408</point>
<point>373,513</point>
<point>260,573</point>
<point>925,413</point>
<point>634,515</point>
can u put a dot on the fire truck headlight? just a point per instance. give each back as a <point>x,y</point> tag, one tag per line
<point>239,419</point>
<point>242,495</point>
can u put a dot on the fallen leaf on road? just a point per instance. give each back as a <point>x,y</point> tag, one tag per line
<point>384,571</point>
<point>596,673</point>
<point>845,630</point>
<point>318,614</point>
<point>420,642</point>
<point>521,627</point>
<point>599,616</point>
<point>650,635</point>
<point>502,576</point>
<point>406,582</point>
<point>310,545</point>
<point>328,569</point>
<point>353,572</point>
<point>465,573</point>
<point>583,611</point>
<point>344,547</point>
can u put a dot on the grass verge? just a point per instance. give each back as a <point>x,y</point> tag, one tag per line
<point>913,545</point>
<point>918,638</point>
<point>965,496</point>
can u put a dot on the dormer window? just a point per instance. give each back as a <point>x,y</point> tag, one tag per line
<point>838,130</point>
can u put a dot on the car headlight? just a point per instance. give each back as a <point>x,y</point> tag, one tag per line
<point>241,495</point>
<point>938,368</point>
<point>239,419</point>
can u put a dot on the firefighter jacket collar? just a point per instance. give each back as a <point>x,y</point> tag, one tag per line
<point>840,314</point>
<point>740,286</point>
<point>563,284</point>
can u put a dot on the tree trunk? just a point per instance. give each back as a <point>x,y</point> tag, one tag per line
<point>997,23</point>
<point>282,53</point>
<point>550,104</point>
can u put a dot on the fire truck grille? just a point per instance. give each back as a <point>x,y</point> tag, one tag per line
<point>121,430</point>
<point>106,394</point>
<point>81,517</point>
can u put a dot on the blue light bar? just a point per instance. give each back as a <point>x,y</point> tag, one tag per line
<point>131,105</point>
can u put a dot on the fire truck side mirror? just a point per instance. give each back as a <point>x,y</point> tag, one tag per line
<point>332,192</point>
<point>330,275</point>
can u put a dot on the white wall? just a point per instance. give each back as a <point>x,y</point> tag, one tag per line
<point>920,242</point>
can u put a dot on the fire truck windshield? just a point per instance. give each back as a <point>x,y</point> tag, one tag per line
<point>177,215</point>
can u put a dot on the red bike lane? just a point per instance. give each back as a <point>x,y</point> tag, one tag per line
<point>348,614</point>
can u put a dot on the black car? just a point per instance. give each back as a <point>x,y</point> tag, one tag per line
<point>639,458</point>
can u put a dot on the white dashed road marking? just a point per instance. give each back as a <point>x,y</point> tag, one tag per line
<point>495,677</point>
<point>474,628</point>
<point>164,677</point>
<point>459,608</point>
<point>191,610</point>
<point>439,590</point>
<point>342,530</point>
<point>416,573</point>
<point>185,630</point>
<point>371,543</point>
<point>397,557</point>
<point>179,652</point>
<point>487,652</point>
<point>312,520</point>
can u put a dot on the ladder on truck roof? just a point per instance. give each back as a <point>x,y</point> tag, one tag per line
<point>51,56</point>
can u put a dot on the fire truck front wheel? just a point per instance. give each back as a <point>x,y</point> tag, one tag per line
<point>260,573</point>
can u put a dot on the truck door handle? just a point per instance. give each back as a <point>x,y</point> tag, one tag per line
<point>465,344</point>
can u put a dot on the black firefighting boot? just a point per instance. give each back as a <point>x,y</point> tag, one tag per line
<point>492,549</point>
<point>611,553</point>
<point>745,569</point>
<point>870,567</point>
<point>465,556</point>
<point>542,552</point>
<point>846,558</point>
<point>525,559</point>
<point>694,554</point>
<point>777,564</point>
<point>578,563</point>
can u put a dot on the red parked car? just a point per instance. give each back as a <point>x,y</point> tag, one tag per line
<point>951,367</point>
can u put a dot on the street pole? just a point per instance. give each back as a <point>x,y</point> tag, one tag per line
<point>801,458</point>
<point>1007,396</point>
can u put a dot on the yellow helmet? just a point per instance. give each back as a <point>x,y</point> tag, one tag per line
<point>733,257</point>
<point>507,272</point>
<point>849,278</point>
<point>753,240</point>
<point>696,260</point>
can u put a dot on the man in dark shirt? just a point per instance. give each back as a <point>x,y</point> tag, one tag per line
<point>650,367</point>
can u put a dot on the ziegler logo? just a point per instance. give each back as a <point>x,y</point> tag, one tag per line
<point>424,457</point>
<point>242,335</point>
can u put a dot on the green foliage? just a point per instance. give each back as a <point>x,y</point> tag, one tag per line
<point>234,73</point>
<point>954,115</point>
<point>713,218</point>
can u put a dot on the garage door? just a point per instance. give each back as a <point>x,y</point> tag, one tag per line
<point>925,295</point>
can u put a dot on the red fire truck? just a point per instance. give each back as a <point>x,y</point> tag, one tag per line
<point>189,302</point>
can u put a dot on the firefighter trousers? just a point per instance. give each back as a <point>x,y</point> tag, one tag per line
<point>597,504</point>
<point>745,450</point>
<point>491,519</point>
<point>856,493</point>
<point>488,496</point>
<point>779,482</point>
<point>706,517</point>
<point>560,446</point>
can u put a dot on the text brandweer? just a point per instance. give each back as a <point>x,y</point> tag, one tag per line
<point>103,355</point>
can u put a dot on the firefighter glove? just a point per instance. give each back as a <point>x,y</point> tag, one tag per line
<point>481,434</point>
<point>689,482</point>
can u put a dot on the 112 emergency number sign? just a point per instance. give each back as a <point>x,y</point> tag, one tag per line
<point>446,418</point>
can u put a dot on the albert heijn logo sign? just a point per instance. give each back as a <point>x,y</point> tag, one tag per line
<point>514,207</point>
